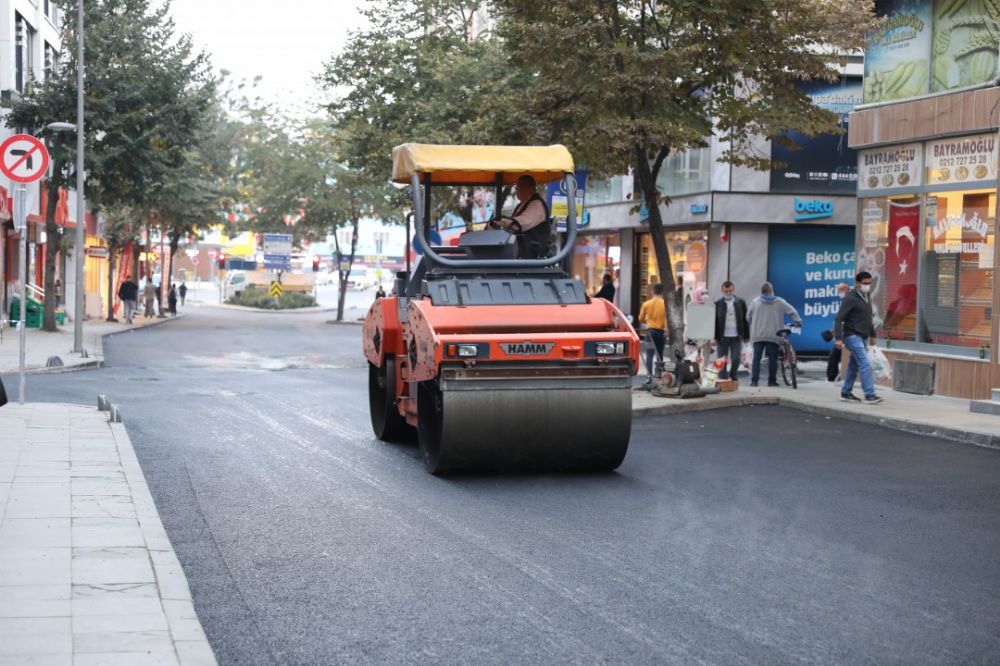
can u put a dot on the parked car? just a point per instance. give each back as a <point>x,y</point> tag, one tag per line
<point>236,281</point>
<point>362,277</point>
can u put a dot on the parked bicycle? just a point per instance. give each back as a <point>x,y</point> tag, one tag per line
<point>787,359</point>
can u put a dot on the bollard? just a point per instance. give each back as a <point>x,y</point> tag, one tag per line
<point>103,404</point>
<point>115,415</point>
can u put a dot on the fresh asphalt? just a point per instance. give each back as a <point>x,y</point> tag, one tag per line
<point>758,535</point>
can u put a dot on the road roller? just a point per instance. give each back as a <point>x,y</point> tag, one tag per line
<point>493,358</point>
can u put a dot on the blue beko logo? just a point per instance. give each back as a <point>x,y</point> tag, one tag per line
<point>812,210</point>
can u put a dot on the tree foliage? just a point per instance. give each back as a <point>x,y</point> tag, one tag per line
<point>626,82</point>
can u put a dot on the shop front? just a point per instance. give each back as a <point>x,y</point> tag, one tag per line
<point>928,236</point>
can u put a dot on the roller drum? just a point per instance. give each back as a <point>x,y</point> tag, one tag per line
<point>530,425</point>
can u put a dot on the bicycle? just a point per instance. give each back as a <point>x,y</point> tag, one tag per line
<point>787,359</point>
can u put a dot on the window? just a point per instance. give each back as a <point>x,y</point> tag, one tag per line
<point>688,259</point>
<point>685,173</point>
<point>890,231</point>
<point>24,42</point>
<point>51,60</point>
<point>593,256</point>
<point>605,191</point>
<point>956,299</point>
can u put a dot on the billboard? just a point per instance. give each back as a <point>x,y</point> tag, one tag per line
<point>805,264</point>
<point>824,163</point>
<point>927,46</point>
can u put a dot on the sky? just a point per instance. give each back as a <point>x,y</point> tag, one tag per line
<point>286,43</point>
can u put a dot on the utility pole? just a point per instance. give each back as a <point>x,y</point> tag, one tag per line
<point>81,206</point>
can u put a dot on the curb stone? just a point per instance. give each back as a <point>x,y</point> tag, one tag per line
<point>677,406</point>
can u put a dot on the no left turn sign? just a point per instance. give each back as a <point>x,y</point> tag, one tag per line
<point>23,158</point>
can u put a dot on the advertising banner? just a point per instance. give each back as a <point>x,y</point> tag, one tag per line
<point>898,53</point>
<point>901,260</point>
<point>805,265</point>
<point>555,195</point>
<point>893,166</point>
<point>964,159</point>
<point>821,163</point>
<point>965,43</point>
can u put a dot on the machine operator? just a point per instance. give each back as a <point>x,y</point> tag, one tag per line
<point>530,221</point>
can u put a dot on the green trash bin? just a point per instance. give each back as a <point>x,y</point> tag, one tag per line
<point>34,312</point>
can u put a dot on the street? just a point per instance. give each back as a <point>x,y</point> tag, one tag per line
<point>757,535</point>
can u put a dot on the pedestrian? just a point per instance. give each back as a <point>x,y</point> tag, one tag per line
<point>172,300</point>
<point>380,293</point>
<point>128,292</point>
<point>59,292</point>
<point>653,315</point>
<point>766,316</point>
<point>159,300</point>
<point>607,290</point>
<point>853,327</point>
<point>836,362</point>
<point>149,296</point>
<point>183,291</point>
<point>731,330</point>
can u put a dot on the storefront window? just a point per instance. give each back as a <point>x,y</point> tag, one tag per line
<point>608,190</point>
<point>685,173</point>
<point>889,240</point>
<point>688,259</point>
<point>956,296</point>
<point>593,256</point>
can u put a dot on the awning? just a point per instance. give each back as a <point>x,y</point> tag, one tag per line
<point>479,165</point>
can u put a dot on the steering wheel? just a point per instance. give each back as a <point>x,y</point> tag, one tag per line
<point>513,226</point>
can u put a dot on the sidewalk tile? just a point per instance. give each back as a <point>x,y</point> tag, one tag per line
<point>102,506</point>
<point>35,601</point>
<point>114,590</point>
<point>111,605</point>
<point>34,566</point>
<point>38,500</point>
<point>126,659</point>
<point>38,660</point>
<point>111,571</point>
<point>123,641</point>
<point>35,636</point>
<point>31,533</point>
<point>86,485</point>
<point>106,532</point>
<point>119,623</point>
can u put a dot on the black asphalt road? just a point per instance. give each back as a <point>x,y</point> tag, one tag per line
<point>760,535</point>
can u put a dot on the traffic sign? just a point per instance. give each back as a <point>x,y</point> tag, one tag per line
<point>23,158</point>
<point>194,261</point>
<point>278,244</point>
<point>276,289</point>
<point>213,253</point>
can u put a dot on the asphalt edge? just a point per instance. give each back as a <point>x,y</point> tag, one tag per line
<point>188,635</point>
<point>692,405</point>
<point>244,308</point>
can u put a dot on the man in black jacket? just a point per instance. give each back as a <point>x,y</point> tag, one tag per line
<point>128,292</point>
<point>854,327</point>
<point>731,329</point>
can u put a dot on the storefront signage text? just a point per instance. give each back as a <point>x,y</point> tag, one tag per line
<point>885,168</point>
<point>812,210</point>
<point>974,224</point>
<point>699,209</point>
<point>962,160</point>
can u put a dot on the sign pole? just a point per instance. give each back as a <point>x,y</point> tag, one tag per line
<point>21,222</point>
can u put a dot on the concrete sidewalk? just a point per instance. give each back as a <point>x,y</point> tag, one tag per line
<point>87,573</point>
<point>41,345</point>
<point>948,418</point>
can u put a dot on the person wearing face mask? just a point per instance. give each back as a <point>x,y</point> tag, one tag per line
<point>766,315</point>
<point>854,326</point>
<point>731,329</point>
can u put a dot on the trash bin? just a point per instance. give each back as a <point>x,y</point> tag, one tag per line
<point>33,317</point>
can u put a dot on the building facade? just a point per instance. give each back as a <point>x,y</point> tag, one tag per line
<point>927,192</point>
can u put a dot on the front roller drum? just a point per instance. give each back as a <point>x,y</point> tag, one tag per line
<point>523,428</point>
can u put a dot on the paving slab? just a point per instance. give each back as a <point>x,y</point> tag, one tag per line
<point>87,573</point>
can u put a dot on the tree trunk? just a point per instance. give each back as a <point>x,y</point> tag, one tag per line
<point>175,241</point>
<point>111,283</point>
<point>342,295</point>
<point>51,251</point>
<point>671,297</point>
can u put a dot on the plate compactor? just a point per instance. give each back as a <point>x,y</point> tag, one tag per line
<point>493,361</point>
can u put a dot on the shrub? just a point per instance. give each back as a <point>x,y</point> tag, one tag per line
<point>260,298</point>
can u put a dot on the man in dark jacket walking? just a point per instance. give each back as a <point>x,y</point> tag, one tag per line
<point>852,329</point>
<point>607,290</point>
<point>128,292</point>
<point>731,329</point>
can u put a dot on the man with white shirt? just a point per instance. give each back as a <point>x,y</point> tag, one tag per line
<point>531,223</point>
<point>731,329</point>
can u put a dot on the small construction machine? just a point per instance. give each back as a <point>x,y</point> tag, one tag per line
<point>492,361</point>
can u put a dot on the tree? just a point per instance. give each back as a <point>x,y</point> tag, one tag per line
<point>120,228</point>
<point>146,93</point>
<point>626,82</point>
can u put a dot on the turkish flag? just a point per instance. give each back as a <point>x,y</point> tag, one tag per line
<point>901,260</point>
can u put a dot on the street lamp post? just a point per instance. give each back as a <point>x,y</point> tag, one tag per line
<point>81,210</point>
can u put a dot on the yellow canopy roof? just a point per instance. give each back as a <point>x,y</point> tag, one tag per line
<point>479,165</point>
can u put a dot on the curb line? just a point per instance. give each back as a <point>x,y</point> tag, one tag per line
<point>186,632</point>
<point>243,308</point>
<point>981,439</point>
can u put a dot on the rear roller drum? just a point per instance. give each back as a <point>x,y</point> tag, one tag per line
<point>387,424</point>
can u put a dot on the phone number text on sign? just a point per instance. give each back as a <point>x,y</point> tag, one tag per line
<point>968,159</point>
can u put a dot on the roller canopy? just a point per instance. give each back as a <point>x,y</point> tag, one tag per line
<point>479,165</point>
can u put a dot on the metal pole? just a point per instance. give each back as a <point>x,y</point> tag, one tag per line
<point>81,207</point>
<point>3,276</point>
<point>21,222</point>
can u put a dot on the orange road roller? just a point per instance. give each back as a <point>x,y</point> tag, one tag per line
<point>488,353</point>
